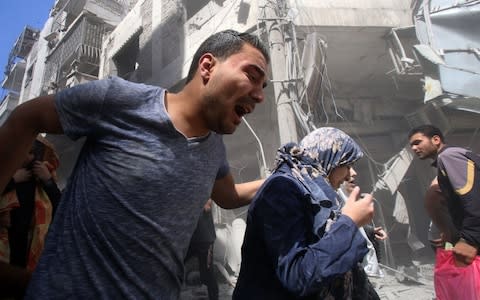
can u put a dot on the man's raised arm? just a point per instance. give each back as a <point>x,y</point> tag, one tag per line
<point>20,130</point>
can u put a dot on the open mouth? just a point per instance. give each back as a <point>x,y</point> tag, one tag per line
<point>242,110</point>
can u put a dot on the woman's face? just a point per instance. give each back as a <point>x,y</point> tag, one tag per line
<point>339,175</point>
<point>350,183</point>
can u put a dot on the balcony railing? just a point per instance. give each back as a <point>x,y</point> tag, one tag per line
<point>400,42</point>
<point>79,49</point>
<point>66,11</point>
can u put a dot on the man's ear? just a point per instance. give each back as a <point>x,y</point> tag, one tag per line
<point>205,66</point>
<point>436,140</point>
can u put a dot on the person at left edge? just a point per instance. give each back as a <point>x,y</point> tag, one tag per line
<point>149,161</point>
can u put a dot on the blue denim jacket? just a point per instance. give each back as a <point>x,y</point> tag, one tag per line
<point>284,255</point>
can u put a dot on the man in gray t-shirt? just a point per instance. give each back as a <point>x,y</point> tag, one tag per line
<point>150,161</point>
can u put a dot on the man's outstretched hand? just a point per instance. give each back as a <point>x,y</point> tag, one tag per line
<point>464,253</point>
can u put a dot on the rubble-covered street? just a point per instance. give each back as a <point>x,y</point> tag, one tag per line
<point>406,283</point>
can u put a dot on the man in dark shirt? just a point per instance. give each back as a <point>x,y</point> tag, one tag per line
<point>459,181</point>
<point>201,246</point>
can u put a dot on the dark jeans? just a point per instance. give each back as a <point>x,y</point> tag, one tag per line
<point>204,254</point>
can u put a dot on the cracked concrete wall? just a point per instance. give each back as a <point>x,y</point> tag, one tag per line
<point>355,13</point>
<point>168,39</point>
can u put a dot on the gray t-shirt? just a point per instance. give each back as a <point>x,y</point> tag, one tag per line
<point>132,202</point>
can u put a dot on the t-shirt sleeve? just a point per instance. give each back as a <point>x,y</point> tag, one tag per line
<point>224,167</point>
<point>80,107</point>
<point>459,170</point>
<point>455,166</point>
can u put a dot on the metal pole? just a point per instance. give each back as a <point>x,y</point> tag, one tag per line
<point>278,31</point>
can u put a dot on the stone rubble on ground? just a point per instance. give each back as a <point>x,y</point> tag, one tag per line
<point>403,283</point>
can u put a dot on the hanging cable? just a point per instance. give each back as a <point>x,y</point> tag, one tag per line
<point>260,146</point>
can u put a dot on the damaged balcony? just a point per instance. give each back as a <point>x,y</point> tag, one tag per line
<point>16,61</point>
<point>449,52</point>
<point>77,55</point>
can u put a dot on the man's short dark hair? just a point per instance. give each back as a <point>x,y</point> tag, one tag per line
<point>428,131</point>
<point>223,44</point>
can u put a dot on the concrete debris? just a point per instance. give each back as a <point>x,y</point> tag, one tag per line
<point>404,283</point>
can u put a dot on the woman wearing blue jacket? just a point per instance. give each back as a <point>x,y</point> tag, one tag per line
<point>298,243</point>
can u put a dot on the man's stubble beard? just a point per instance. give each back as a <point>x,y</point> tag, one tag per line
<point>215,116</point>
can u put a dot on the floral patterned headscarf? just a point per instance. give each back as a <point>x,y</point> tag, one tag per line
<point>321,151</point>
<point>313,160</point>
<point>310,163</point>
<point>330,148</point>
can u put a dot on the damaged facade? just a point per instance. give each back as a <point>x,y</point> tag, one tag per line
<point>361,66</point>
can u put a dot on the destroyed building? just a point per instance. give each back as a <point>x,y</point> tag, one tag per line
<point>372,68</point>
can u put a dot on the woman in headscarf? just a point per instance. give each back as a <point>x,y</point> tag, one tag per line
<point>298,243</point>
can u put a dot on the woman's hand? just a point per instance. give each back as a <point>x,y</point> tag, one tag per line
<point>359,209</point>
<point>380,234</point>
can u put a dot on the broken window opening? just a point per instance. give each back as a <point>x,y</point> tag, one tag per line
<point>126,58</point>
